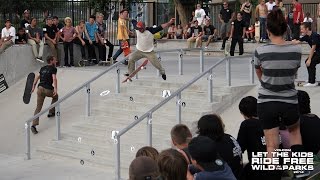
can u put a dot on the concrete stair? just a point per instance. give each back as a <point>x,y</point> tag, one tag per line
<point>116,111</point>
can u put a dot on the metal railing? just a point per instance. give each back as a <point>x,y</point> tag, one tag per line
<point>87,88</point>
<point>117,134</point>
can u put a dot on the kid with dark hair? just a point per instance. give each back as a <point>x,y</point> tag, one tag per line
<point>227,146</point>
<point>238,31</point>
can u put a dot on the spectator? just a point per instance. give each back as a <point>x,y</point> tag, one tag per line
<point>318,19</point>
<point>181,136</point>
<point>309,124</point>
<point>308,19</point>
<point>102,41</point>
<point>34,39</point>
<point>297,19</point>
<point>270,5</point>
<point>250,34</point>
<point>204,153</point>
<point>8,34</point>
<point>171,32</point>
<point>290,21</point>
<point>59,26</point>
<point>196,34</point>
<point>238,31</point>
<point>246,9</point>
<point>186,31</point>
<point>91,30</point>
<point>80,29</point>
<point>51,34</point>
<point>227,146</point>
<point>179,32</point>
<point>172,165</point>
<point>261,12</point>
<point>279,4</point>
<point>26,19</point>
<point>226,16</point>
<point>142,168</point>
<point>200,14</point>
<point>68,33</point>
<point>209,32</point>
<point>149,152</point>
<point>21,37</point>
<point>192,19</point>
<point>252,140</point>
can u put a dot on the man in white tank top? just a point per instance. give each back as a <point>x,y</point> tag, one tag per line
<point>145,46</point>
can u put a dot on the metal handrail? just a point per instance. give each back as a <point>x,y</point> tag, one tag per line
<point>117,134</point>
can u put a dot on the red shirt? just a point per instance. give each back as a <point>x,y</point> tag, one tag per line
<point>296,10</point>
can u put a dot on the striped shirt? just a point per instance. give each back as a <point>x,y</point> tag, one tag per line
<point>279,64</point>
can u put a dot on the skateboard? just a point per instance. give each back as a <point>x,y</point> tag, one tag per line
<point>142,66</point>
<point>28,88</point>
<point>301,83</point>
<point>257,31</point>
<point>126,48</point>
<point>3,83</point>
<point>227,48</point>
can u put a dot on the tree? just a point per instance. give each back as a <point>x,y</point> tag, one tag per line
<point>184,9</point>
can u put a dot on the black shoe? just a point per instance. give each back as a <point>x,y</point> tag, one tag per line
<point>164,77</point>
<point>125,63</point>
<point>222,48</point>
<point>126,74</point>
<point>34,130</point>
<point>51,115</point>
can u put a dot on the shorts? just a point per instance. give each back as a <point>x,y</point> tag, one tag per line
<point>273,113</point>
<point>206,37</point>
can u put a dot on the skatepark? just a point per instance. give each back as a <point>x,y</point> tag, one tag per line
<point>85,149</point>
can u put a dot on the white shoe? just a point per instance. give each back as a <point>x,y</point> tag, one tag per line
<point>206,47</point>
<point>40,60</point>
<point>310,85</point>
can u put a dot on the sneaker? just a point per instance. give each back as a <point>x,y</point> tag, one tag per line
<point>126,74</point>
<point>206,47</point>
<point>222,48</point>
<point>264,41</point>
<point>34,130</point>
<point>125,63</point>
<point>51,115</point>
<point>310,85</point>
<point>39,59</point>
<point>164,76</point>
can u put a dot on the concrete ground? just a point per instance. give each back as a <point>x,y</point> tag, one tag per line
<point>14,113</point>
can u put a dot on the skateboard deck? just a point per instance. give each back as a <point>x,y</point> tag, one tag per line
<point>28,88</point>
<point>142,66</point>
<point>227,48</point>
<point>126,48</point>
<point>257,31</point>
<point>301,83</point>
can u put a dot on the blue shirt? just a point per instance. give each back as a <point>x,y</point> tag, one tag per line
<point>92,30</point>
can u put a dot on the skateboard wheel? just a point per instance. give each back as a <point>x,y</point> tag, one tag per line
<point>142,67</point>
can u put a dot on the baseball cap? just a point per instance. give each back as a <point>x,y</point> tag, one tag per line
<point>140,24</point>
<point>26,11</point>
<point>203,149</point>
<point>143,168</point>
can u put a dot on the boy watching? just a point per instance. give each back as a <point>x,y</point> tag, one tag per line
<point>181,136</point>
<point>21,37</point>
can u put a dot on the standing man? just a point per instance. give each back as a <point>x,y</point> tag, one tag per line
<point>26,19</point>
<point>226,16</point>
<point>145,46</point>
<point>297,19</point>
<point>91,38</point>
<point>200,14</point>
<point>8,35</point>
<point>238,30</point>
<point>123,32</point>
<point>102,41</point>
<point>262,12</point>
<point>270,4</point>
<point>47,76</point>
<point>318,19</point>
<point>313,39</point>
<point>51,33</point>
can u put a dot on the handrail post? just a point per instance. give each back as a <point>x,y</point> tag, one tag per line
<point>88,91</point>
<point>228,71</point>
<point>58,122</point>
<point>135,67</point>
<point>201,61</point>
<point>27,130</point>
<point>159,59</point>
<point>210,79</point>
<point>178,105</point>
<point>180,62</point>
<point>149,130</point>
<point>118,80</point>
<point>252,70</point>
<point>117,149</point>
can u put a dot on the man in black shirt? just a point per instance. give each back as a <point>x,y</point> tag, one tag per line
<point>47,76</point>
<point>21,37</point>
<point>196,34</point>
<point>226,16</point>
<point>102,29</point>
<point>59,26</point>
<point>313,39</point>
<point>209,32</point>
<point>238,30</point>
<point>51,33</point>
<point>26,21</point>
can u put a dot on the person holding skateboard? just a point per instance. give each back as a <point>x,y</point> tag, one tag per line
<point>47,76</point>
<point>145,46</point>
<point>313,39</point>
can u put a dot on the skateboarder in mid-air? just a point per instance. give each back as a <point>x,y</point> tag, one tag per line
<point>47,76</point>
<point>145,40</point>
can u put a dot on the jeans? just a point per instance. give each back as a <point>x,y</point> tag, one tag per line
<point>263,27</point>
<point>68,46</point>
<point>234,41</point>
<point>78,41</point>
<point>312,68</point>
<point>102,50</point>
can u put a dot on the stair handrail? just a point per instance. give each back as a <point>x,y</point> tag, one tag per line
<point>117,134</point>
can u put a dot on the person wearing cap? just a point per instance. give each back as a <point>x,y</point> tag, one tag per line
<point>8,34</point>
<point>204,156</point>
<point>34,39</point>
<point>26,19</point>
<point>51,33</point>
<point>143,168</point>
<point>145,40</point>
<point>200,15</point>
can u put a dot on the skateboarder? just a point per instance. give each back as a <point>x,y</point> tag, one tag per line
<point>145,46</point>
<point>313,39</point>
<point>47,76</point>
